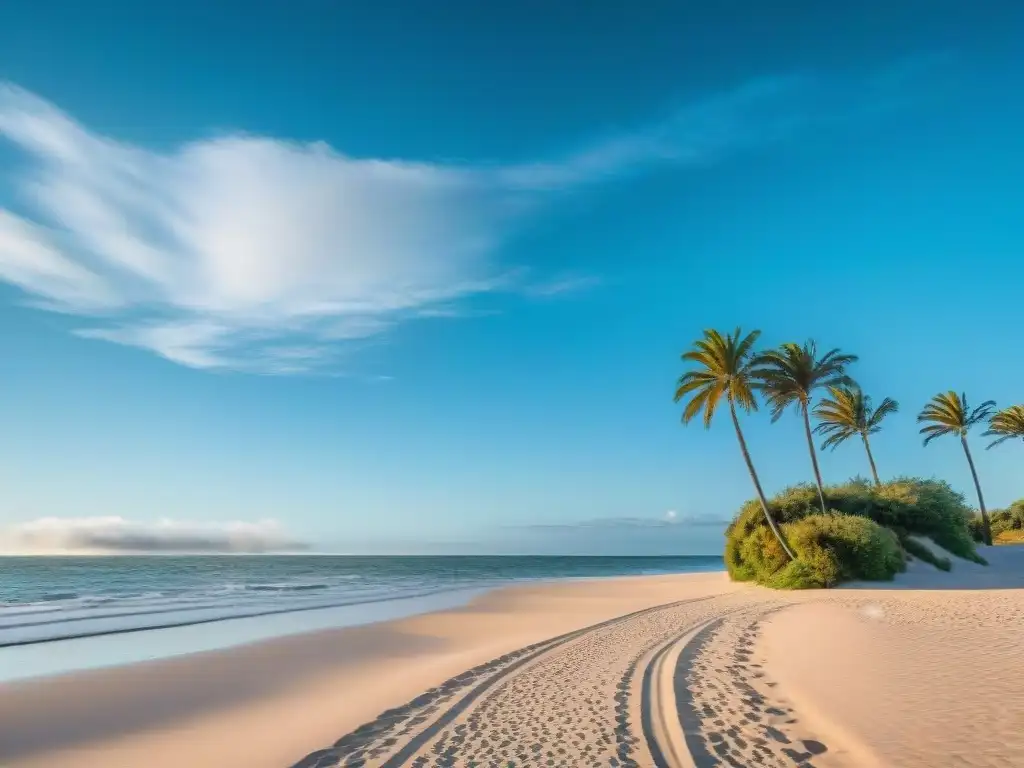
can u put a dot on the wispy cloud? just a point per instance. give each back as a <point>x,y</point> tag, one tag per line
<point>755,113</point>
<point>116,535</point>
<point>561,285</point>
<point>253,253</point>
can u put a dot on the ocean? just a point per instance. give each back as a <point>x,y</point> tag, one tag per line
<point>138,607</point>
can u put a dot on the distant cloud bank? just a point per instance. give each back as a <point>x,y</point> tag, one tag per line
<point>116,535</point>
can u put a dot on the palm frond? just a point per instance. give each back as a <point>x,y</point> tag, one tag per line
<point>997,441</point>
<point>711,404</point>
<point>1007,424</point>
<point>885,408</point>
<point>831,369</point>
<point>695,405</point>
<point>846,412</point>
<point>691,381</point>
<point>743,394</point>
<point>746,346</point>
<point>934,431</point>
<point>982,413</point>
<point>951,412</point>
<point>789,375</point>
<point>722,369</point>
<point>837,434</point>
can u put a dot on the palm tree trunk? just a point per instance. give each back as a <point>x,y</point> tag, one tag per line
<point>814,458</point>
<point>871,460</point>
<point>757,483</point>
<point>985,526</point>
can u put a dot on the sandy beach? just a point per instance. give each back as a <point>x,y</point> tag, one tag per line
<point>687,670</point>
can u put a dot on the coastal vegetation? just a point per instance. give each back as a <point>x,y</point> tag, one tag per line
<point>1007,424</point>
<point>949,414</point>
<point>814,535</point>
<point>725,369</point>
<point>1007,525</point>
<point>788,377</point>
<point>869,533</point>
<point>847,413</point>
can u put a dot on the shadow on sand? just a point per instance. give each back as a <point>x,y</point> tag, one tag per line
<point>1005,570</point>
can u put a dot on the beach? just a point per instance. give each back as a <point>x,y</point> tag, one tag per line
<point>665,670</point>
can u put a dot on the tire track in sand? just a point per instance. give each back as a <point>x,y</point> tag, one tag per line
<point>672,686</point>
<point>723,707</point>
<point>395,736</point>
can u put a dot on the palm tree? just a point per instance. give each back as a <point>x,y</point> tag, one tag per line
<point>725,368</point>
<point>949,414</point>
<point>847,412</point>
<point>788,377</point>
<point>1007,424</point>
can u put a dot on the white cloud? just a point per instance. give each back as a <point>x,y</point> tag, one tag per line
<point>213,254</point>
<point>113,535</point>
<point>30,260</point>
<point>253,253</point>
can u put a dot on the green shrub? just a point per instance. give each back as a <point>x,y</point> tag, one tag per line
<point>999,524</point>
<point>796,575</point>
<point>1009,519</point>
<point>830,549</point>
<point>976,528</point>
<point>1016,511</point>
<point>899,509</point>
<point>761,554</point>
<point>927,508</point>
<point>1007,524</point>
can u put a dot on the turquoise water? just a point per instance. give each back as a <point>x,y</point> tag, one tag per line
<point>44,599</point>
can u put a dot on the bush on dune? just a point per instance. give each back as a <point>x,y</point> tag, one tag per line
<point>830,549</point>
<point>834,548</point>
<point>1007,524</point>
<point>866,535</point>
<point>976,529</point>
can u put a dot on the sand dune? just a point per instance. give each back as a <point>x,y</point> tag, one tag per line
<point>648,671</point>
<point>919,677</point>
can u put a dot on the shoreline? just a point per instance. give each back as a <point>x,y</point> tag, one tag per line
<point>251,602</point>
<point>34,658</point>
<point>116,648</point>
<point>688,666</point>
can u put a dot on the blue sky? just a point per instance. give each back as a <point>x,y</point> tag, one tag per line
<point>408,278</point>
